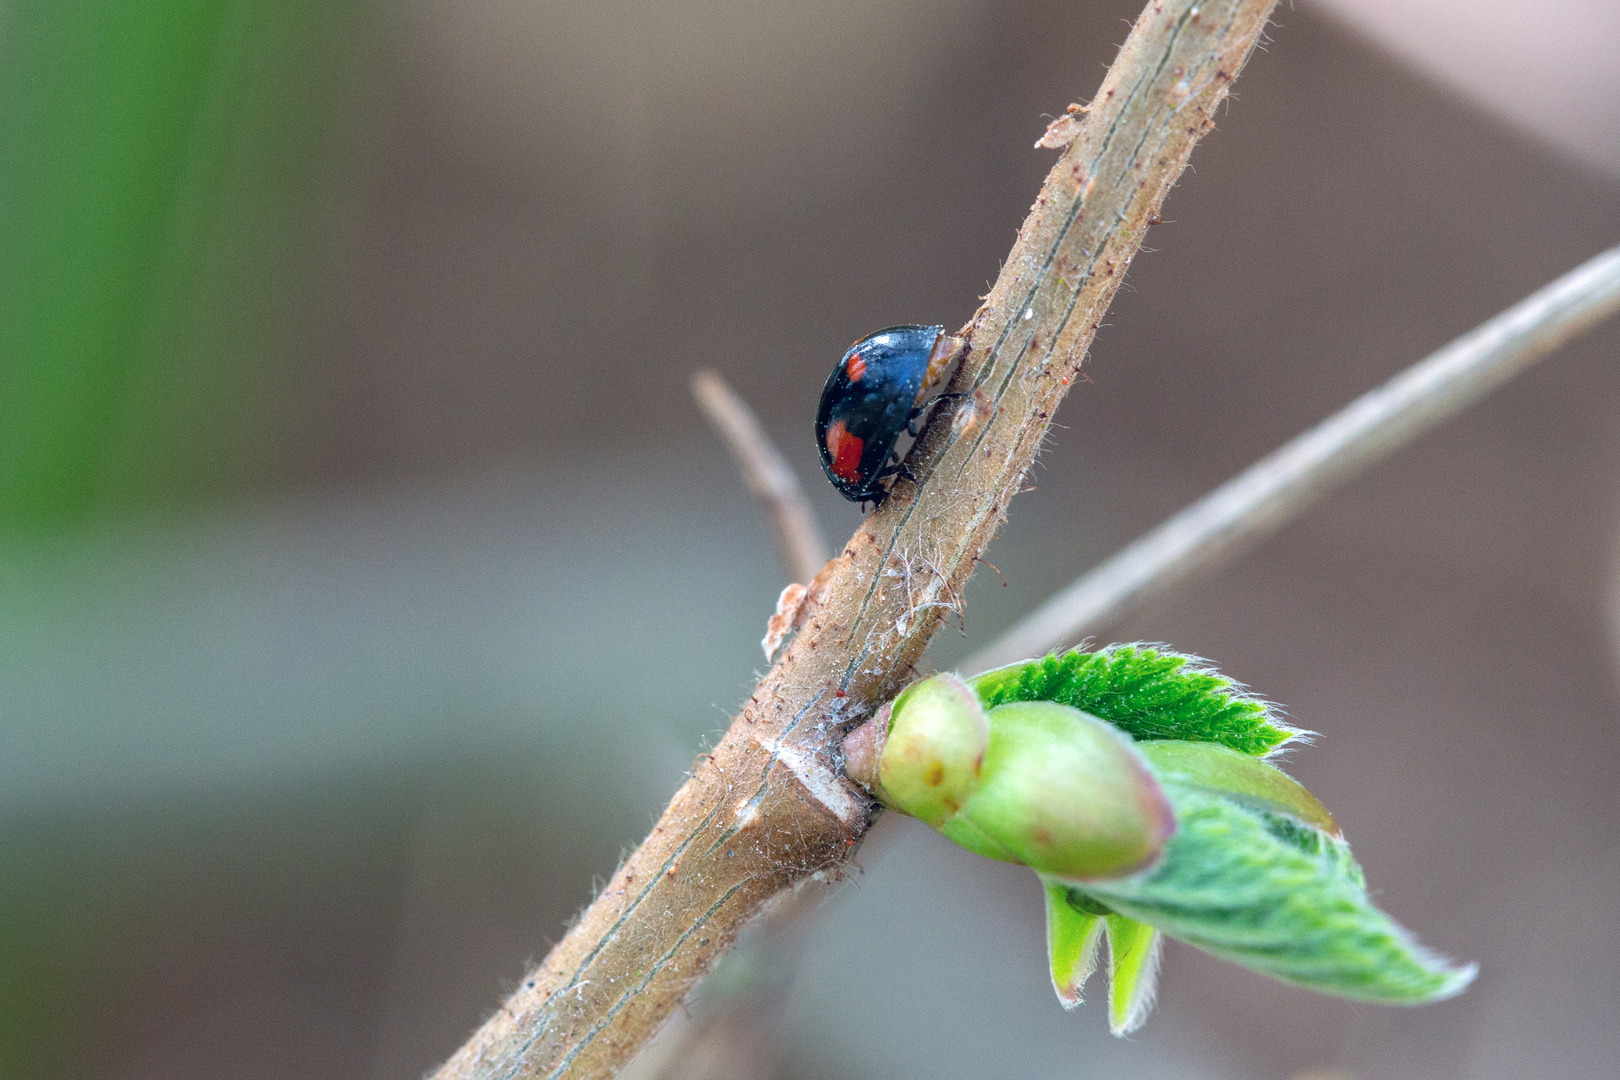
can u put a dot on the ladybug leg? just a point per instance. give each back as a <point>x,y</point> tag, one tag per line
<point>899,468</point>
<point>913,428</point>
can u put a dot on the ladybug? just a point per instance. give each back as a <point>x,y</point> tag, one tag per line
<point>873,395</point>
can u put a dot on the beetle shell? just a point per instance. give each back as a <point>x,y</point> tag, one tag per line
<point>870,398</point>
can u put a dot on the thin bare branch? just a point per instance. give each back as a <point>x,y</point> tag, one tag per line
<point>771,806</point>
<point>799,541</point>
<point>1278,488</point>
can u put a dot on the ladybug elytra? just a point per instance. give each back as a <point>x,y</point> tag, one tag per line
<point>871,397</point>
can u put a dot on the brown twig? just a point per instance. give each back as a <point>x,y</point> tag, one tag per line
<point>1285,483</point>
<point>738,1037</point>
<point>737,1033</point>
<point>771,806</point>
<point>799,542</point>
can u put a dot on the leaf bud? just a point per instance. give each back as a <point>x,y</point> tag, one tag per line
<point>1065,794</point>
<point>932,761</point>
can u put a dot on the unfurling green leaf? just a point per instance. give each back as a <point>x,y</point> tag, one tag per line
<point>1146,692</point>
<point>1269,892</point>
<point>1243,779</point>
<point>1133,973</point>
<point>1074,929</point>
<point>1076,925</point>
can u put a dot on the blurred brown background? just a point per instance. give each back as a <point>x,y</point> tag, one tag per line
<point>301,763</point>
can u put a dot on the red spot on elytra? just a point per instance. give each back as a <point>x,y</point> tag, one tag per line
<point>845,451</point>
<point>856,367</point>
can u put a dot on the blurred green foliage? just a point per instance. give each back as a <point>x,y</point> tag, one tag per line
<point>164,166</point>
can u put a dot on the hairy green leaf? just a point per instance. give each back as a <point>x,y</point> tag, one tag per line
<point>1074,931</point>
<point>1076,926</point>
<point>1147,692</point>
<point>1271,893</point>
<point>1239,777</point>
<point>1133,973</point>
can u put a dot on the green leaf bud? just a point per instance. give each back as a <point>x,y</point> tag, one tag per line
<point>933,757</point>
<point>1184,832</point>
<point>1063,793</point>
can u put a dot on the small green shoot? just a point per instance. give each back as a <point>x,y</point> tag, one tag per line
<point>1132,781</point>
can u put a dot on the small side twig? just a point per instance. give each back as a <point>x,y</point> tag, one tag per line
<point>1278,488</point>
<point>799,542</point>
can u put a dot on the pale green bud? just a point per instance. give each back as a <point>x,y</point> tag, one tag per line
<point>1065,794</point>
<point>1034,782</point>
<point>931,764</point>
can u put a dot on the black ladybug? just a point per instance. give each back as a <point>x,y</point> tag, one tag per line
<point>872,396</point>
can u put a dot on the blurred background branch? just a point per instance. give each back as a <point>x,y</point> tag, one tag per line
<point>769,478</point>
<point>738,1031</point>
<point>1273,491</point>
